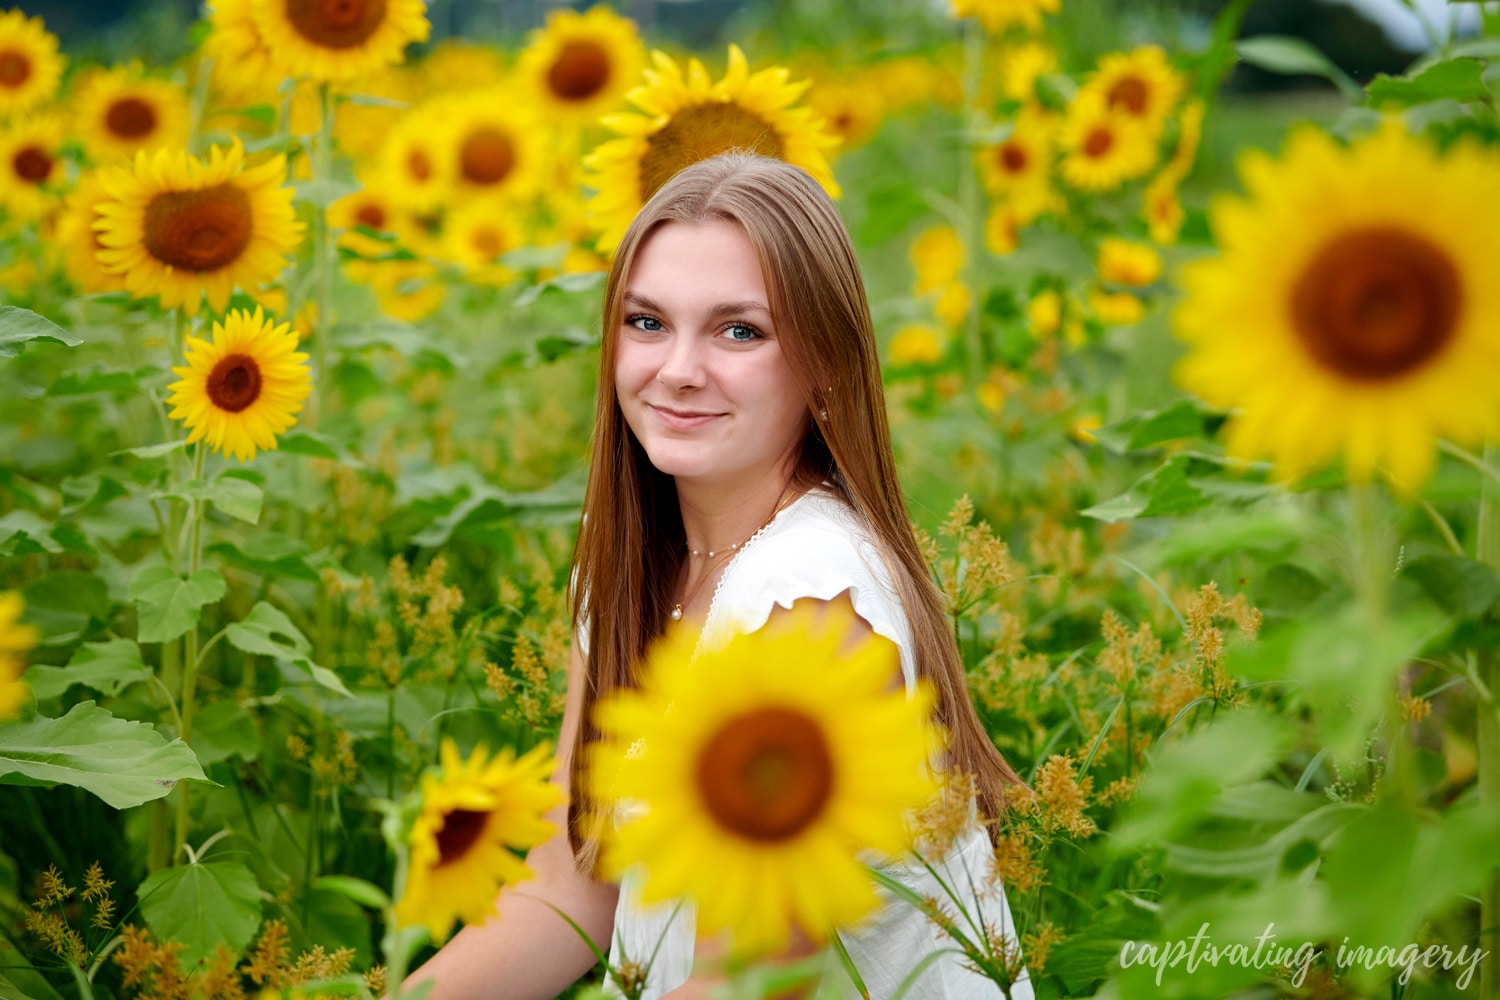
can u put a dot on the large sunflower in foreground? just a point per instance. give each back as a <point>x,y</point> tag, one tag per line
<point>472,816</point>
<point>998,15</point>
<point>581,65</point>
<point>242,389</point>
<point>687,119</point>
<point>118,113</point>
<point>338,40</point>
<point>15,640</point>
<point>31,165</point>
<point>180,228</point>
<point>1353,308</point>
<point>29,64</point>
<point>758,771</point>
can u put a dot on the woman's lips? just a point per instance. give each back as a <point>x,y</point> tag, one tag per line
<point>683,420</point>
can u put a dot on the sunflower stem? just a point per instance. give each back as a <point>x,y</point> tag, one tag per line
<point>968,194</point>
<point>1487,547</point>
<point>323,249</point>
<point>190,652</point>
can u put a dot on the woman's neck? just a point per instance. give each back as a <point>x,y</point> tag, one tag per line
<point>717,516</point>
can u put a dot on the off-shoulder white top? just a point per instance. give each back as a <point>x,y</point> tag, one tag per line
<point>817,547</point>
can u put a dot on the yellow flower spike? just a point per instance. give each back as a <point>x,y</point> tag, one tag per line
<point>1351,310</point>
<point>15,641</point>
<point>30,67</point>
<point>1125,262</point>
<point>242,389</point>
<point>474,812</point>
<point>1162,210</point>
<point>762,769</point>
<point>338,41</point>
<point>687,119</point>
<point>580,66</point>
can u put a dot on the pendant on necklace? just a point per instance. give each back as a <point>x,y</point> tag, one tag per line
<point>677,613</point>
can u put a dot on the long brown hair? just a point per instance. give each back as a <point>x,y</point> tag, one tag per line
<point>631,542</point>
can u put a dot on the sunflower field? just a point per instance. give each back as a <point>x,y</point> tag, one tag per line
<point>1195,399</point>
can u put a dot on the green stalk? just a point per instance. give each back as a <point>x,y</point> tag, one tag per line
<point>190,652</point>
<point>1488,552</point>
<point>971,231</point>
<point>324,258</point>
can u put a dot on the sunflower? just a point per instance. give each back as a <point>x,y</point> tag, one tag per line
<point>476,238</point>
<point>689,119</point>
<point>454,65</point>
<point>117,113</point>
<point>1002,229</point>
<point>338,40</point>
<point>371,208</point>
<point>1353,307</point>
<point>1102,147</point>
<point>415,160</point>
<point>15,640</point>
<point>79,241</point>
<point>472,816</point>
<point>1116,308</point>
<point>762,768</point>
<point>998,15</point>
<point>851,111</point>
<point>1161,209</point>
<point>180,228</point>
<point>581,65</point>
<point>937,257</point>
<point>1124,262</point>
<point>494,147</point>
<point>29,64</point>
<point>31,165</point>
<point>1140,84</point>
<point>1022,65</point>
<point>244,388</point>
<point>917,344</point>
<point>242,70</point>
<point>1019,168</point>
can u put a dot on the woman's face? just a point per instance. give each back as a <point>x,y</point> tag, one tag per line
<point>699,372</point>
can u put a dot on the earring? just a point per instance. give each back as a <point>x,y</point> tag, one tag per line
<point>823,414</point>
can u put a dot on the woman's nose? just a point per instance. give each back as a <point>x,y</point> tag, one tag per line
<point>681,363</point>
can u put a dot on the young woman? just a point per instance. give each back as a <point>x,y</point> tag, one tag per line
<point>741,463</point>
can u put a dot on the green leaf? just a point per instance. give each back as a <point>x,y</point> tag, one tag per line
<point>124,763</point>
<point>236,497</point>
<point>268,632</point>
<point>223,730</point>
<point>1165,491</point>
<point>273,555</point>
<point>19,979</point>
<point>583,281</point>
<point>170,605</point>
<point>98,380</point>
<point>305,442</point>
<point>65,603</point>
<point>1452,79</point>
<point>1180,420</point>
<point>1289,55</point>
<point>364,893</point>
<point>153,450</point>
<point>19,327</point>
<point>1459,586</point>
<point>105,667</point>
<point>203,906</point>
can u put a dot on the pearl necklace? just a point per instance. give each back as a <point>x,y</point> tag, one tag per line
<point>676,613</point>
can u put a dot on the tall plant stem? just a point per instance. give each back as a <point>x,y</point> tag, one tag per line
<point>185,703</point>
<point>323,250</point>
<point>971,226</point>
<point>1488,552</point>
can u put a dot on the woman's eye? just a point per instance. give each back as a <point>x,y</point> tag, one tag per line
<point>741,333</point>
<point>649,324</point>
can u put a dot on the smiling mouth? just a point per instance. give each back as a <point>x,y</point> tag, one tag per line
<point>683,419</point>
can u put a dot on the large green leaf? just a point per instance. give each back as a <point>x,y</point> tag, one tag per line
<point>124,763</point>
<point>19,327</point>
<point>1287,54</point>
<point>105,667</point>
<point>267,632</point>
<point>170,605</point>
<point>19,980</point>
<point>1454,79</point>
<point>203,906</point>
<point>1460,586</point>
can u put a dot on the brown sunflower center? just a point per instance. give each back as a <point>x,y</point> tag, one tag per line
<point>15,68</point>
<point>766,775</point>
<point>336,24</point>
<point>234,383</point>
<point>420,165</point>
<point>461,830</point>
<point>200,230</point>
<point>130,118</point>
<point>1131,94</point>
<point>579,72</point>
<point>370,215</point>
<point>487,156</point>
<point>32,164</point>
<point>1376,303</point>
<point>488,243</point>
<point>1098,142</point>
<point>699,132</point>
<point>1013,158</point>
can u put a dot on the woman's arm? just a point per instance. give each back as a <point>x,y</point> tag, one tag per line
<point>525,951</point>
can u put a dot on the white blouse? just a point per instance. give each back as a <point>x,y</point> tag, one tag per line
<point>816,547</point>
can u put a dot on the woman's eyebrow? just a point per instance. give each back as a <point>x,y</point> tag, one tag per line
<point>722,309</point>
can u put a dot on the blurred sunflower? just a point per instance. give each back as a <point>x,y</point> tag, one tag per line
<point>338,41</point>
<point>1125,262</point>
<point>79,241</point>
<point>31,165</point>
<point>30,67</point>
<point>851,111</point>
<point>242,71</point>
<point>1352,309</point>
<point>1019,168</point>
<point>372,208</point>
<point>15,640</point>
<point>476,238</point>
<point>118,112</point>
<point>1140,84</point>
<point>1002,229</point>
<point>409,290</point>
<point>581,65</point>
<point>998,15</point>
<point>937,257</point>
<point>415,160</point>
<point>918,344</point>
<point>690,119</point>
<point>240,391</point>
<point>1022,65</point>
<point>1162,211</point>
<point>1102,147</point>
<point>763,768</point>
<point>180,228</point>
<point>1116,308</point>
<point>454,65</point>
<point>461,843</point>
<point>495,148</point>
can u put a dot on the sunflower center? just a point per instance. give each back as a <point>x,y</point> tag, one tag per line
<point>32,164</point>
<point>461,829</point>
<point>336,24</point>
<point>130,118</point>
<point>699,132</point>
<point>198,230</point>
<point>1099,142</point>
<point>579,72</point>
<point>370,215</point>
<point>487,156</point>
<point>420,165</point>
<point>487,242</point>
<point>1013,158</point>
<point>234,382</point>
<point>1376,303</point>
<point>766,775</point>
<point>15,68</point>
<point>1131,94</point>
